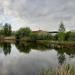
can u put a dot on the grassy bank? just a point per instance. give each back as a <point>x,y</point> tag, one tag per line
<point>47,43</point>
<point>50,43</point>
<point>62,70</point>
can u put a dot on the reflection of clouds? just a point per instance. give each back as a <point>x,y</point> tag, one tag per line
<point>26,64</point>
<point>1,49</point>
<point>70,59</point>
<point>32,62</point>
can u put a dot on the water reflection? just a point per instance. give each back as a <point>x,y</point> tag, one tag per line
<point>68,51</point>
<point>23,47</point>
<point>26,47</point>
<point>6,48</point>
<point>61,58</point>
<point>61,54</point>
<point>30,58</point>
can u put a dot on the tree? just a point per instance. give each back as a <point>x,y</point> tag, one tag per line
<point>7,30</point>
<point>55,37</point>
<point>67,35</point>
<point>61,28</point>
<point>72,36</point>
<point>61,34</point>
<point>22,32</point>
<point>10,31</point>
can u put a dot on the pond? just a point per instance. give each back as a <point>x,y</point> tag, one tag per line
<point>29,59</point>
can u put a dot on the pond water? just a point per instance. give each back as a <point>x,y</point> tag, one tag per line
<point>29,59</point>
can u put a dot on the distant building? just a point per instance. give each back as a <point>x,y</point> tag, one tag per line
<point>39,32</point>
<point>53,32</point>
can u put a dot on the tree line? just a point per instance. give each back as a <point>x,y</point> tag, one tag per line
<point>28,34</point>
<point>6,30</point>
<point>64,35</point>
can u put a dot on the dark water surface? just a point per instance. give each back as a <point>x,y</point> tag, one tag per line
<point>30,59</point>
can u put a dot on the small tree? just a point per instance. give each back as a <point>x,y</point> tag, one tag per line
<point>7,30</point>
<point>62,27</point>
<point>10,31</point>
<point>61,34</point>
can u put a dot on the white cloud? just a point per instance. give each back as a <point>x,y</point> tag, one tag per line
<point>44,13</point>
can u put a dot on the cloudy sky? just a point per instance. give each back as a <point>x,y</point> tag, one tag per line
<point>43,14</point>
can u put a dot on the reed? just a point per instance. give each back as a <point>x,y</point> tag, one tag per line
<point>62,70</point>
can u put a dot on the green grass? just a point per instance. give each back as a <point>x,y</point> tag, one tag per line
<point>62,70</point>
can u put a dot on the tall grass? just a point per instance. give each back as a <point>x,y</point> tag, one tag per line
<point>62,70</point>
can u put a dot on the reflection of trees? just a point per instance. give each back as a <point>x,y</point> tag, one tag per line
<point>39,47</point>
<point>61,51</point>
<point>69,51</point>
<point>6,48</point>
<point>23,47</point>
<point>26,47</point>
<point>61,58</point>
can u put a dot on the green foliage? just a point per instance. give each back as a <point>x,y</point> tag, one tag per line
<point>1,32</point>
<point>46,37</point>
<point>23,32</point>
<point>61,28</point>
<point>61,34</point>
<point>35,37</point>
<point>55,37</point>
<point>7,30</point>
<point>67,36</point>
<point>38,35</point>
<point>72,36</point>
